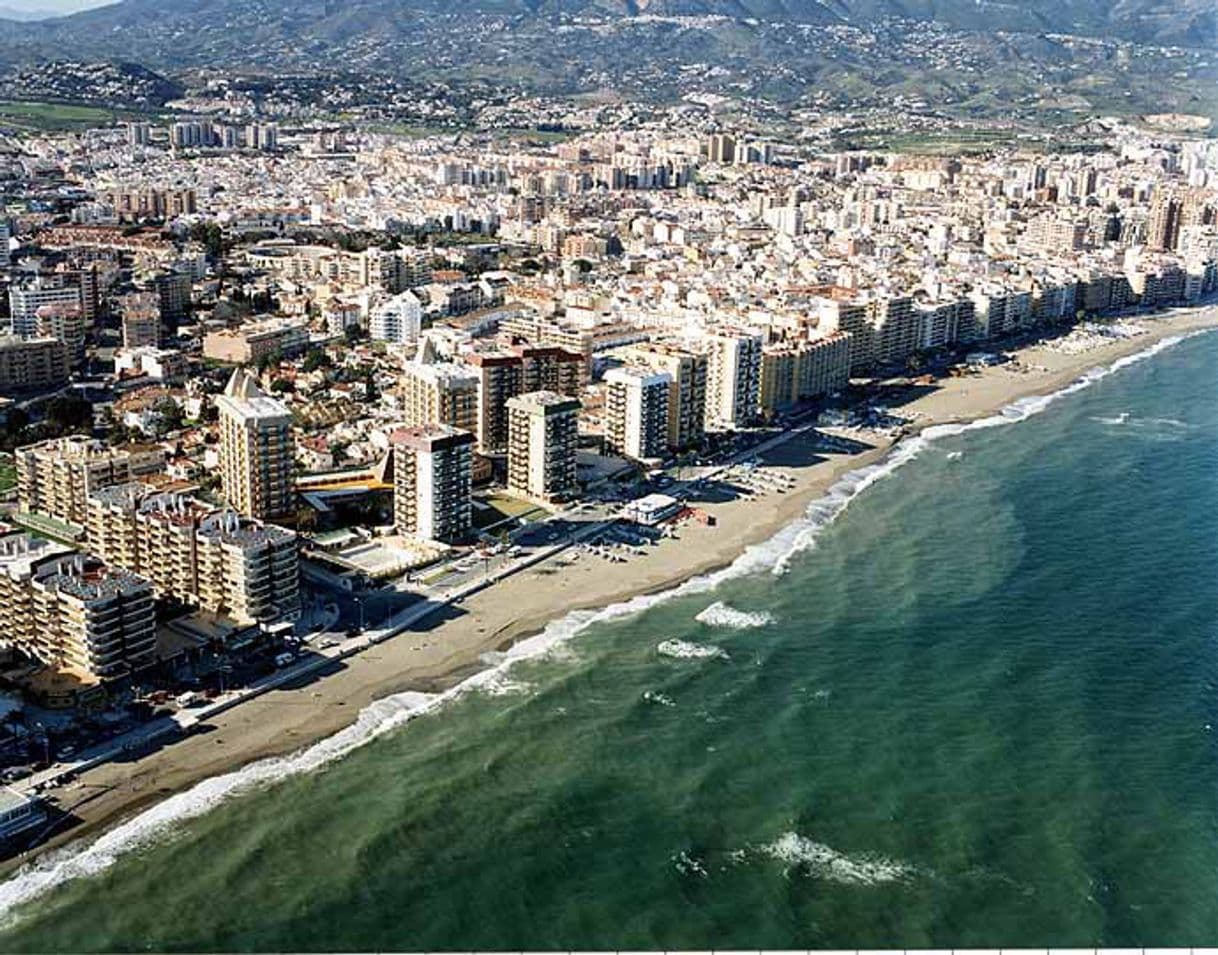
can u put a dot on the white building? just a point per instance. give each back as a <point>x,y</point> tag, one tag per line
<point>636,412</point>
<point>398,320</point>
<point>733,379</point>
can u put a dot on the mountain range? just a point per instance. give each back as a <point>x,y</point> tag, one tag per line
<point>1192,23</point>
<point>975,57</point>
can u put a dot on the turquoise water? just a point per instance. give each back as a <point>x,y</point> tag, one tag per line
<point>978,712</point>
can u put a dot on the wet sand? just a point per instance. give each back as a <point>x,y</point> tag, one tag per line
<point>434,659</point>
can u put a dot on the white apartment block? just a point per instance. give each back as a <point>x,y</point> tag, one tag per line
<point>636,412</point>
<point>24,301</point>
<point>397,321</point>
<point>733,379</point>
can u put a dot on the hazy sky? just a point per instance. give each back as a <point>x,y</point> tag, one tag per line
<point>51,6</point>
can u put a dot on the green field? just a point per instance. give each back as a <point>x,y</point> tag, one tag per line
<point>34,115</point>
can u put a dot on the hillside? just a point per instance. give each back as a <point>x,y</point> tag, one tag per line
<point>977,57</point>
<point>1185,22</point>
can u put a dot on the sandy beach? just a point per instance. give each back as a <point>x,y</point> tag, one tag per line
<point>434,659</point>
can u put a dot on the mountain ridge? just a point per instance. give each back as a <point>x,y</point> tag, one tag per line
<point>1186,23</point>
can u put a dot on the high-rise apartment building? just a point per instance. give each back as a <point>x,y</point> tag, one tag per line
<point>55,477</point>
<point>91,619</point>
<point>733,379</point>
<point>247,570</point>
<point>138,134</point>
<point>721,148</point>
<point>803,369</point>
<point>20,556</point>
<point>686,396</point>
<point>504,374</point>
<point>141,317</point>
<point>439,393</point>
<point>398,320</point>
<point>499,381</point>
<point>31,364</point>
<point>432,468</point>
<point>1163,229</point>
<point>213,559</point>
<point>65,323</point>
<point>636,412</point>
<point>542,443</point>
<point>24,301</point>
<point>256,449</point>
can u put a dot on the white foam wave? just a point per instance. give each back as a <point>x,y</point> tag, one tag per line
<point>802,534</point>
<point>504,685</point>
<point>1114,420</point>
<point>821,862</point>
<point>687,864</point>
<point>89,857</point>
<point>1152,429</point>
<point>720,614</point>
<point>682,650</point>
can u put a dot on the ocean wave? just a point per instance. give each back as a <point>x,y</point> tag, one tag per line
<point>821,862</point>
<point>1154,429</point>
<point>723,615</point>
<point>690,865</point>
<point>93,855</point>
<point>1122,418</point>
<point>682,650</point>
<point>504,685</point>
<point>801,535</point>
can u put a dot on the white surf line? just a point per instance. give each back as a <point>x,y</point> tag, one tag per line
<point>92,855</point>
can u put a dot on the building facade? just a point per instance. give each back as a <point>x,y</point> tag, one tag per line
<point>55,477</point>
<point>256,450</point>
<point>542,442</point>
<point>636,412</point>
<point>432,476</point>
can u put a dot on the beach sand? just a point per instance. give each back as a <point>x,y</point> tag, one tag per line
<point>437,658</point>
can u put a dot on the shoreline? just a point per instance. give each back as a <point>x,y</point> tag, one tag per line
<point>447,656</point>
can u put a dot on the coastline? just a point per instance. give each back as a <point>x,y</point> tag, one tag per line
<point>442,657</point>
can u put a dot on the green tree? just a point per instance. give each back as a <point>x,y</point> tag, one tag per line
<point>69,413</point>
<point>316,360</point>
<point>270,360</point>
<point>170,416</point>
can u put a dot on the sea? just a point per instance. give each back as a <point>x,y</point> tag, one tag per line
<point>970,701</point>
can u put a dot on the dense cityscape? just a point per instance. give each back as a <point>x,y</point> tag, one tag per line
<point>269,387</point>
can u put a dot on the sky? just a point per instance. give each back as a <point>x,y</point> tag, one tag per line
<point>50,7</point>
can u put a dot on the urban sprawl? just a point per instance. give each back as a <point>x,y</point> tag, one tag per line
<point>268,388</point>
